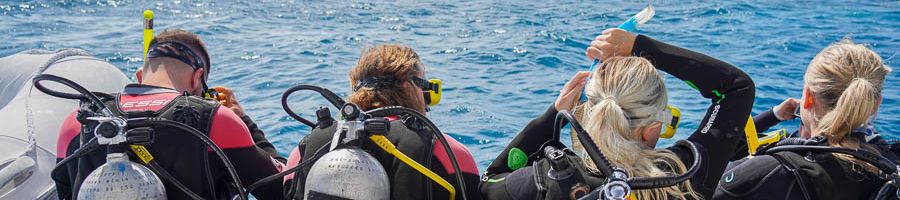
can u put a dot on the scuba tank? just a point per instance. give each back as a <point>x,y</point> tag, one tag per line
<point>119,177</point>
<point>342,168</point>
<point>347,171</point>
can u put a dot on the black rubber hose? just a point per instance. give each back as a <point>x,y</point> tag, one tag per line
<point>638,183</point>
<point>885,191</point>
<point>606,167</point>
<point>399,110</point>
<point>590,147</point>
<point>149,121</point>
<point>882,163</point>
<point>334,99</point>
<point>84,93</point>
<point>156,168</point>
<point>319,153</point>
<point>89,147</point>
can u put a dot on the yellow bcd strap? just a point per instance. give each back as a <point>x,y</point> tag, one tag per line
<point>389,147</point>
<point>753,141</point>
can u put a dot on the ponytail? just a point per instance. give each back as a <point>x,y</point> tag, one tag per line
<point>853,108</point>
<point>846,79</point>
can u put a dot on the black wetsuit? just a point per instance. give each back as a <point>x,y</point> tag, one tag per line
<point>768,177</point>
<point>730,90</point>
<point>259,139</point>
<point>823,176</point>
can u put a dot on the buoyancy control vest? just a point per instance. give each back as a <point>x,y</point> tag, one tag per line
<point>822,175</point>
<point>182,155</point>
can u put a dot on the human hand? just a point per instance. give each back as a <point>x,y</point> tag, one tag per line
<point>227,98</point>
<point>613,42</point>
<point>785,110</point>
<point>570,93</point>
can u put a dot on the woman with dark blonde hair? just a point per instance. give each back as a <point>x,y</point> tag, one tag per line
<point>393,75</point>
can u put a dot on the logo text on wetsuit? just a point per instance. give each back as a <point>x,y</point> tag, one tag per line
<point>712,118</point>
<point>144,103</point>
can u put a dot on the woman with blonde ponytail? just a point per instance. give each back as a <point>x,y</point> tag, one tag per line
<point>841,94</point>
<point>625,112</point>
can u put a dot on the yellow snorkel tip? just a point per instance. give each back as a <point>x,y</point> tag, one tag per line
<point>148,31</point>
<point>148,14</point>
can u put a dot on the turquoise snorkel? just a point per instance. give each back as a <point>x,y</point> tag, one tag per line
<point>629,25</point>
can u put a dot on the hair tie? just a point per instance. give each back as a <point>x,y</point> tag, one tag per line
<point>610,97</point>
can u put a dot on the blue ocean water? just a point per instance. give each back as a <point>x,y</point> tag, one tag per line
<point>502,62</point>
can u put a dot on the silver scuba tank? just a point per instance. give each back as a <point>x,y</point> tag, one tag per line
<point>119,178</point>
<point>348,173</point>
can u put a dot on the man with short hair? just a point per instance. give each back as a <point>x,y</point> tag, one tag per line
<point>170,86</point>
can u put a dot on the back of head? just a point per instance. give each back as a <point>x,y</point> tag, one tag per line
<point>391,63</point>
<point>626,93</point>
<point>186,38</point>
<point>847,79</point>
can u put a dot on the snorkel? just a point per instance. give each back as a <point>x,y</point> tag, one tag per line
<point>629,25</point>
<point>148,31</point>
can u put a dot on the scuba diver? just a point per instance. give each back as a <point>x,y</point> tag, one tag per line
<point>169,85</point>
<point>836,156</point>
<point>625,112</point>
<point>386,77</point>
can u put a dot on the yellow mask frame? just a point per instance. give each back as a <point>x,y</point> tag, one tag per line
<point>431,89</point>
<point>670,117</point>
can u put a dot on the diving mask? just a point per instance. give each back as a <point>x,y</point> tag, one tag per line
<point>431,88</point>
<point>670,116</point>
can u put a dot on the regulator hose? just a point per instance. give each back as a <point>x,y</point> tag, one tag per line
<point>149,121</point>
<point>590,147</point>
<point>606,167</point>
<point>318,154</point>
<point>878,161</point>
<point>332,98</point>
<point>887,166</point>
<point>83,94</point>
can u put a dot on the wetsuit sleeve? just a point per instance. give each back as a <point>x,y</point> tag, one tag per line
<point>259,138</point>
<point>765,120</point>
<point>251,162</point>
<point>730,92</point>
<point>529,141</point>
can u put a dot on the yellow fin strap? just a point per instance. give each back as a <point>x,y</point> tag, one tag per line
<point>142,153</point>
<point>386,144</point>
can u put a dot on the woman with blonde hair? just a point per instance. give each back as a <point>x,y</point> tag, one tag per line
<point>626,110</point>
<point>841,94</point>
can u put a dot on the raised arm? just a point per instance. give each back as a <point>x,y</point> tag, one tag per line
<point>729,90</point>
